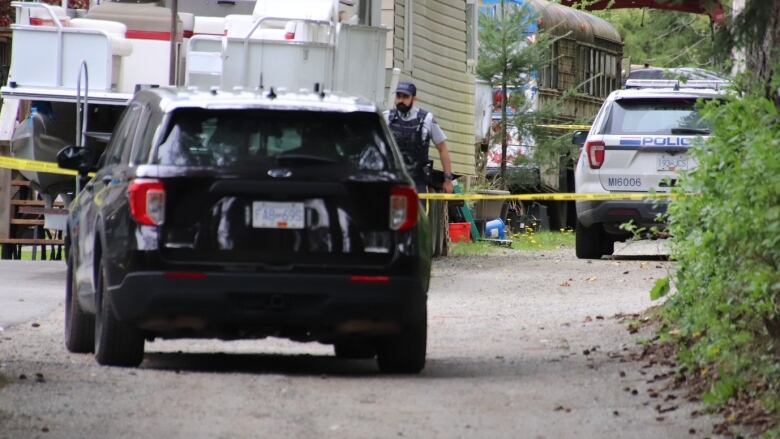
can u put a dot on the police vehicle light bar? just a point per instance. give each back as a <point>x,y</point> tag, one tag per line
<point>676,84</point>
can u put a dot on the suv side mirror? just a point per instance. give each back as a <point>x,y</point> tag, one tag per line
<point>579,137</point>
<point>74,157</point>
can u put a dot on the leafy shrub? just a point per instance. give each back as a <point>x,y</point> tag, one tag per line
<point>726,238</point>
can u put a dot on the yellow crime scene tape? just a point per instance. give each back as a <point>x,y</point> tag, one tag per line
<point>567,127</point>
<point>40,166</point>
<point>550,197</point>
<point>33,165</point>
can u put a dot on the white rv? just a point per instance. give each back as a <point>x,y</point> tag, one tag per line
<point>73,71</point>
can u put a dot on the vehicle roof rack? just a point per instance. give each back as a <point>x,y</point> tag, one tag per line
<point>676,84</point>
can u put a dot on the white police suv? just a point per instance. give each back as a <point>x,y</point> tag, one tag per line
<point>638,142</point>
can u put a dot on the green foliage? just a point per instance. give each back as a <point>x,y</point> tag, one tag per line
<point>727,241</point>
<point>540,241</point>
<point>507,56</point>
<point>669,39</point>
<point>529,241</point>
<point>479,248</point>
<point>660,289</point>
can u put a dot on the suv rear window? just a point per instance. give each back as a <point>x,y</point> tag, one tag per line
<point>240,138</point>
<point>655,116</point>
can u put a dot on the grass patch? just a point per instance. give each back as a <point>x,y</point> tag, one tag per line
<point>479,248</point>
<point>538,241</point>
<point>530,241</point>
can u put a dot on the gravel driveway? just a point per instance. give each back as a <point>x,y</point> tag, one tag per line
<point>521,345</point>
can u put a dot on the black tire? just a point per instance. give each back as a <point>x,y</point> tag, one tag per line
<point>589,241</point>
<point>608,245</point>
<point>116,343</point>
<point>354,349</point>
<point>79,325</point>
<point>404,353</point>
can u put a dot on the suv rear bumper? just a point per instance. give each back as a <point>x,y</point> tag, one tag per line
<point>642,212</point>
<point>221,304</point>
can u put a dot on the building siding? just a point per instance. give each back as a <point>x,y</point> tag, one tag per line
<point>438,68</point>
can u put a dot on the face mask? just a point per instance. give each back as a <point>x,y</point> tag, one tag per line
<point>402,108</point>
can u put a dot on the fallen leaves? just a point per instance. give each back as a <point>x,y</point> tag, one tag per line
<point>661,409</point>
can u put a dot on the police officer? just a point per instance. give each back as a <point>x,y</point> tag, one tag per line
<point>414,129</point>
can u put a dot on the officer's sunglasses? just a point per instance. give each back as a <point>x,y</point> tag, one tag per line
<point>402,95</point>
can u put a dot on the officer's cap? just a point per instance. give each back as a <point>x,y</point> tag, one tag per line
<point>406,87</point>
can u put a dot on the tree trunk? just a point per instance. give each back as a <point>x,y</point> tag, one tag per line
<point>763,54</point>
<point>504,140</point>
<point>504,97</point>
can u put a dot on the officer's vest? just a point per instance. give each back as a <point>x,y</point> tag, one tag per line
<point>414,148</point>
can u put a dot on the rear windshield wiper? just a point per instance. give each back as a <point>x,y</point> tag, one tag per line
<point>690,131</point>
<point>304,158</point>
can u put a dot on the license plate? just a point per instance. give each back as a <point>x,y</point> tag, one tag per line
<point>673,163</point>
<point>277,215</point>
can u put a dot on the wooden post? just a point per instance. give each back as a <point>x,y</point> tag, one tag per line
<point>5,197</point>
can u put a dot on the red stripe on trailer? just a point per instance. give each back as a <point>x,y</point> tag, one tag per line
<point>148,35</point>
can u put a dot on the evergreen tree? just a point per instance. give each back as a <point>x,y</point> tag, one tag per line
<point>667,39</point>
<point>510,51</point>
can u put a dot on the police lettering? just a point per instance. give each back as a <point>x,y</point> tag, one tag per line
<point>666,141</point>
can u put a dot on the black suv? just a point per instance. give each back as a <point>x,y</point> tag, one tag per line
<point>243,215</point>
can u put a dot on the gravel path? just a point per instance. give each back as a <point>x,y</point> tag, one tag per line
<point>520,345</point>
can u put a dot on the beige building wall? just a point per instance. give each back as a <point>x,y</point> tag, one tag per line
<point>432,52</point>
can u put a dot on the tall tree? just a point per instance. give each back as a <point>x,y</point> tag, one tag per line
<point>757,30</point>
<point>510,51</point>
<point>665,38</point>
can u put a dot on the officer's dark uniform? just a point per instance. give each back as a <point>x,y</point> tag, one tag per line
<point>413,145</point>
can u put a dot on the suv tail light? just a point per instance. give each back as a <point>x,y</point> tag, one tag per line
<point>147,201</point>
<point>595,151</point>
<point>403,208</point>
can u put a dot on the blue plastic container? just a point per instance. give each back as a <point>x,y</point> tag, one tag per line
<point>495,229</point>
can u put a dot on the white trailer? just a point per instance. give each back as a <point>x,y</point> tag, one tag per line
<point>72,72</point>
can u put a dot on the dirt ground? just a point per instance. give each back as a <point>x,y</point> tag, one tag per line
<point>521,344</point>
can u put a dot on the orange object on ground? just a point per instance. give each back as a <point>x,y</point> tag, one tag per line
<point>460,232</point>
